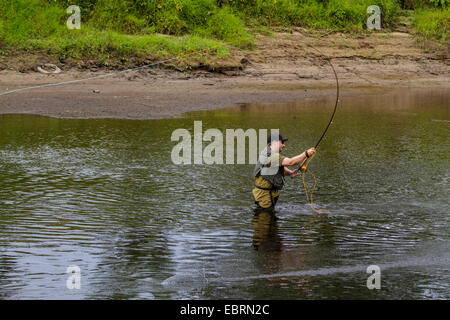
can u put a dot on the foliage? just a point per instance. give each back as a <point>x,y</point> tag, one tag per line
<point>34,25</point>
<point>118,27</point>
<point>433,24</point>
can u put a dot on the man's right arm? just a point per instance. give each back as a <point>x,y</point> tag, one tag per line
<point>297,159</point>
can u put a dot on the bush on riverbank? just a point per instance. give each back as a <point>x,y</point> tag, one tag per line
<point>433,24</point>
<point>159,28</point>
<point>421,4</point>
<point>182,16</point>
<point>35,26</point>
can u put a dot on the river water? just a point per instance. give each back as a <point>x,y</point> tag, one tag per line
<point>103,195</point>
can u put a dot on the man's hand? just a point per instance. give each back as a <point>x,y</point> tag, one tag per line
<point>293,174</point>
<point>297,159</point>
<point>290,173</point>
<point>311,151</point>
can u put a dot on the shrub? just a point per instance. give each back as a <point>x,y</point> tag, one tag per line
<point>196,13</point>
<point>433,24</point>
<point>115,15</point>
<point>25,19</point>
<point>226,26</point>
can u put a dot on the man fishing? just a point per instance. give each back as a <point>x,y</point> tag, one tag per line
<point>270,171</point>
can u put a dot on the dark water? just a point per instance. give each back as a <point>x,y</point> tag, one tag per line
<point>104,195</point>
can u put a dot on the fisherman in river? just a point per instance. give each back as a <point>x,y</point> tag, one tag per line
<point>270,171</point>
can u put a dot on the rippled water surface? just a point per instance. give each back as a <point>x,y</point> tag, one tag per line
<point>104,195</point>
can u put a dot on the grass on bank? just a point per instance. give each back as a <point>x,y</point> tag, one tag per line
<point>433,24</point>
<point>121,29</point>
<point>35,26</point>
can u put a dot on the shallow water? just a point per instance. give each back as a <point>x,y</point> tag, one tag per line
<point>104,195</point>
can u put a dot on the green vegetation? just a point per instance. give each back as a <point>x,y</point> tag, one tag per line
<point>420,4</point>
<point>120,29</point>
<point>37,26</point>
<point>433,24</point>
<point>328,14</point>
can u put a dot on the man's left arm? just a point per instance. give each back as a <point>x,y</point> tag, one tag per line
<point>289,172</point>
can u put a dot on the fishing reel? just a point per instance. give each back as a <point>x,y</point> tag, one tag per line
<point>302,167</point>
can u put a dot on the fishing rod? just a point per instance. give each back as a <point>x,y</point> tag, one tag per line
<point>303,167</point>
<point>335,104</point>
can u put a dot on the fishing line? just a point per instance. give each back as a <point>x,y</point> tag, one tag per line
<point>303,167</point>
<point>100,76</point>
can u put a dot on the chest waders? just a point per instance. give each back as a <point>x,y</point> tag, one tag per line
<point>273,174</point>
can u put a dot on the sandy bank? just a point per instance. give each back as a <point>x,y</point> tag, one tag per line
<point>282,68</point>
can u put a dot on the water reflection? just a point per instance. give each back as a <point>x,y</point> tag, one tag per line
<point>103,195</point>
<point>265,232</point>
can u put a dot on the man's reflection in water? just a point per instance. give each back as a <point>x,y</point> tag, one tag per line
<point>265,232</point>
<point>273,259</point>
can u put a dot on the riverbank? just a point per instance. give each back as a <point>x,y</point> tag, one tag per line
<point>283,67</point>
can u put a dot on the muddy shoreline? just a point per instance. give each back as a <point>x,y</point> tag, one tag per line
<point>149,98</point>
<point>283,68</point>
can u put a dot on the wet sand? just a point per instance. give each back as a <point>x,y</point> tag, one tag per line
<point>147,97</point>
<point>282,68</point>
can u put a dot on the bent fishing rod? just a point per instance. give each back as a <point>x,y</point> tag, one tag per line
<point>302,166</point>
